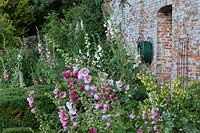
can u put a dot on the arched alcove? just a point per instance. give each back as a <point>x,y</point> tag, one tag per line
<point>164,43</point>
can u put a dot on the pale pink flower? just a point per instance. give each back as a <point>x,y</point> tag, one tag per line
<point>87,79</point>
<point>84,71</point>
<point>119,85</point>
<point>30,101</point>
<point>110,82</point>
<point>93,88</point>
<point>156,128</point>
<point>126,87</point>
<point>75,69</point>
<point>87,87</point>
<point>62,95</point>
<point>31,93</point>
<point>144,114</point>
<point>33,110</point>
<point>55,91</point>
<point>96,96</point>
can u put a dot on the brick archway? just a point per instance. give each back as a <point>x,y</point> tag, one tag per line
<point>164,44</point>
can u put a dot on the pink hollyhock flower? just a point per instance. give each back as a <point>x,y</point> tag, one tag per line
<point>126,87</point>
<point>96,96</point>
<point>55,91</point>
<point>30,101</point>
<point>93,130</point>
<point>156,128</point>
<point>144,114</point>
<point>81,88</point>
<point>103,90</point>
<point>140,131</point>
<point>87,79</point>
<point>64,120</point>
<point>5,76</point>
<point>66,74</point>
<point>87,87</point>
<point>154,113</point>
<point>33,110</point>
<point>113,97</point>
<point>74,81</point>
<point>107,97</point>
<point>110,82</point>
<point>72,111</point>
<point>93,88</point>
<point>110,90</point>
<point>119,85</point>
<point>84,71</point>
<point>75,69</point>
<point>75,75</point>
<point>68,82</point>
<point>62,95</point>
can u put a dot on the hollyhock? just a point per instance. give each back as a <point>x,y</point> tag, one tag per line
<point>103,90</point>
<point>63,119</point>
<point>119,85</point>
<point>93,88</point>
<point>62,95</point>
<point>81,88</point>
<point>110,82</point>
<point>156,128</point>
<point>55,91</point>
<point>84,72</point>
<point>87,87</point>
<point>30,101</point>
<point>72,111</point>
<point>126,87</point>
<point>113,96</point>
<point>75,69</point>
<point>93,130</point>
<point>75,75</point>
<point>87,79</point>
<point>96,96</point>
<point>144,114</point>
<point>33,110</point>
<point>140,131</point>
<point>66,74</point>
<point>110,90</point>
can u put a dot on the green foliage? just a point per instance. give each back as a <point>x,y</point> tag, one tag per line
<point>14,110</point>
<point>18,130</point>
<point>7,31</point>
<point>178,106</point>
<point>21,14</point>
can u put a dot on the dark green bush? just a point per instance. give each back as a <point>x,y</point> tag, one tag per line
<point>14,110</point>
<point>18,130</point>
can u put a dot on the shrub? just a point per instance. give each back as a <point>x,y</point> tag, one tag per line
<point>18,130</point>
<point>20,12</point>
<point>14,109</point>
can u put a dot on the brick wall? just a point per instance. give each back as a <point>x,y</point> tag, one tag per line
<point>176,36</point>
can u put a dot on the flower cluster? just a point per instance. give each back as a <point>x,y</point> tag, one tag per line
<point>151,120</point>
<point>63,118</point>
<point>31,101</point>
